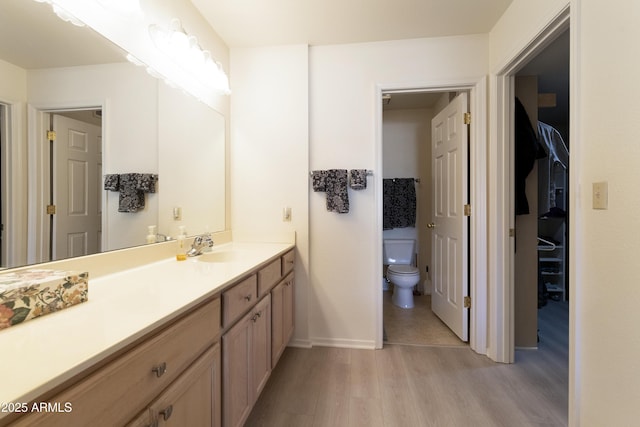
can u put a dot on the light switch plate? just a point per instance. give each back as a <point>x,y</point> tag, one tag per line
<point>177,214</point>
<point>600,195</point>
<point>286,214</point>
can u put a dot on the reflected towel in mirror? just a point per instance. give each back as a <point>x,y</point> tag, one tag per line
<point>132,188</point>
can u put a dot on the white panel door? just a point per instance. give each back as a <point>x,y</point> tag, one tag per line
<point>449,224</point>
<point>77,187</point>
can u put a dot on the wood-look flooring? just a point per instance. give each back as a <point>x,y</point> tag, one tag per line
<point>421,385</point>
<point>415,326</point>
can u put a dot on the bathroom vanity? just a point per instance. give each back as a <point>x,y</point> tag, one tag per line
<point>164,343</point>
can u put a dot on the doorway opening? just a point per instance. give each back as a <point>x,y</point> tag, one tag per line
<point>475,89</point>
<point>541,283</point>
<point>3,183</point>
<point>407,216</point>
<point>69,219</point>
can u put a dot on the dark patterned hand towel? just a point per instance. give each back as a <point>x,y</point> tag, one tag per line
<point>358,179</point>
<point>318,180</point>
<point>404,203</point>
<point>336,188</point>
<point>112,182</point>
<point>387,203</point>
<point>146,182</point>
<point>132,189</point>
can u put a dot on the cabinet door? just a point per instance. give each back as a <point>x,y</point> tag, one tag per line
<point>288,311</point>
<point>282,297</point>
<point>277,323</point>
<point>190,400</point>
<point>261,345</point>
<point>236,388</point>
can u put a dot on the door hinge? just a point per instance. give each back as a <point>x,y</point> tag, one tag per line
<point>467,210</point>
<point>467,302</point>
<point>467,118</point>
<point>51,135</point>
<point>51,209</point>
<point>512,232</point>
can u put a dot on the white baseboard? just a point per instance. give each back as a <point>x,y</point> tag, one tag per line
<point>343,343</point>
<point>300,343</point>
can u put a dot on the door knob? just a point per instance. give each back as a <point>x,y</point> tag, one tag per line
<point>431,225</point>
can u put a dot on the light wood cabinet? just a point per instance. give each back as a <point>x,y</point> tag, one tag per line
<point>183,373</point>
<point>250,345</point>
<point>115,393</point>
<point>238,299</point>
<point>192,400</point>
<point>268,276</point>
<point>246,362</point>
<point>282,314</point>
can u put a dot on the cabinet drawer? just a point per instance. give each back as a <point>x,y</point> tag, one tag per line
<point>116,393</point>
<point>288,261</point>
<point>239,299</point>
<point>268,277</point>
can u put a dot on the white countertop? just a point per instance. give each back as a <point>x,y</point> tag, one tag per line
<point>40,354</point>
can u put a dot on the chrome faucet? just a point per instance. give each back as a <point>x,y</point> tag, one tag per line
<point>200,244</point>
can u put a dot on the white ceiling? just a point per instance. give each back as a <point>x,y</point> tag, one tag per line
<point>249,23</point>
<point>32,37</point>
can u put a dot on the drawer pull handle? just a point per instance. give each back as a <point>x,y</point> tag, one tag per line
<point>160,369</point>
<point>166,412</point>
<point>248,297</point>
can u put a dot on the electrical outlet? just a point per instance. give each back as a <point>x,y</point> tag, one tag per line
<point>600,195</point>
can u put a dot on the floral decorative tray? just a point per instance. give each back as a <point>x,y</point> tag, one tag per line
<point>33,293</point>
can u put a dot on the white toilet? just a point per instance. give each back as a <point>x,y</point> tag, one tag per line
<point>398,255</point>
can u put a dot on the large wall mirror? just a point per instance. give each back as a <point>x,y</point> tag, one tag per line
<point>54,73</point>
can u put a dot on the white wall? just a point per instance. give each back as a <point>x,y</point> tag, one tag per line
<point>191,164</point>
<point>604,144</point>
<point>604,337</point>
<point>269,155</point>
<point>130,129</point>
<point>13,93</point>
<point>343,123</point>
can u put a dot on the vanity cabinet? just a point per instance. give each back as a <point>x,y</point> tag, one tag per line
<point>246,362</point>
<point>206,367</point>
<point>282,297</point>
<point>250,344</point>
<point>192,400</point>
<point>116,392</point>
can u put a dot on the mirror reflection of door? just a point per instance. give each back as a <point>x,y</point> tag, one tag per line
<point>3,190</point>
<point>76,178</point>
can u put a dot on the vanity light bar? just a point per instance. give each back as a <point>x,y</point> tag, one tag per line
<point>184,50</point>
<point>62,13</point>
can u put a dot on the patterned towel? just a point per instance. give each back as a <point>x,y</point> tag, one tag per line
<point>336,188</point>
<point>319,180</point>
<point>132,187</point>
<point>358,179</point>
<point>398,203</point>
<point>112,182</point>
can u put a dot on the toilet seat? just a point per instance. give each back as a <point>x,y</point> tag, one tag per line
<point>402,269</point>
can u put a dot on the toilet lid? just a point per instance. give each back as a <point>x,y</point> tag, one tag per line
<point>403,269</point>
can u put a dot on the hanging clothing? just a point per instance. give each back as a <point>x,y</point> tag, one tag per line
<point>558,157</point>
<point>527,151</point>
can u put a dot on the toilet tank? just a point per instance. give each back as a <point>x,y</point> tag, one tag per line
<point>398,251</point>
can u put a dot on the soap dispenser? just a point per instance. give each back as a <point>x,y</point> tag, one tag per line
<point>181,254</point>
<point>151,234</point>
